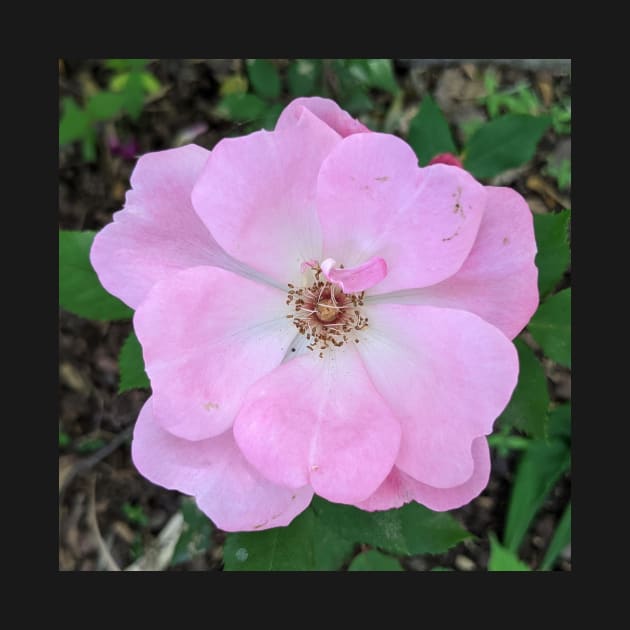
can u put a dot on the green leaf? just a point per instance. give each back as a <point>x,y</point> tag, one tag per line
<point>149,83</point>
<point>551,327</point>
<point>64,439</point>
<point>553,254</point>
<point>357,101</point>
<point>133,95</point>
<point>117,64</point>
<point>104,105</point>
<point>271,116</point>
<point>118,81</point>
<point>306,544</point>
<point>122,65</point>
<point>380,73</point>
<point>303,76</point>
<point>264,78</point>
<point>88,145</point>
<point>373,560</point>
<point>196,536</point>
<point>507,443</point>
<point>527,410</point>
<point>330,550</point>
<point>89,445</point>
<point>504,143</point>
<point>429,133</point>
<point>356,71</point>
<point>411,529</point>
<point>242,107</point>
<point>135,514</point>
<point>137,64</point>
<point>74,123</point>
<point>369,73</point>
<point>561,538</point>
<point>80,291</point>
<point>560,422</point>
<point>538,471</point>
<point>279,549</point>
<point>502,559</point>
<point>131,365</point>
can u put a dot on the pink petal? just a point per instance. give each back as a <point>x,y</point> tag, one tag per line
<point>373,200</point>
<point>157,231</point>
<point>226,487</point>
<point>355,279</point>
<point>324,109</point>
<point>499,280</point>
<point>400,488</point>
<point>207,335</point>
<point>447,375</point>
<point>257,196</point>
<point>320,422</point>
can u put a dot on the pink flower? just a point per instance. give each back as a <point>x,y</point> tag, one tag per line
<point>318,314</point>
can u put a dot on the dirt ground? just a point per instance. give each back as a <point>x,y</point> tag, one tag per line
<point>96,475</point>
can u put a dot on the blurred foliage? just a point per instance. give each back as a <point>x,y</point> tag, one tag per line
<point>135,514</point>
<point>502,559</point>
<point>64,439</point>
<point>131,365</point>
<point>89,445</point>
<point>373,560</point>
<point>129,86</point>
<point>554,255</point>
<point>323,535</point>
<point>522,99</point>
<point>80,290</point>
<point>561,172</point>
<point>196,536</point>
<point>257,99</point>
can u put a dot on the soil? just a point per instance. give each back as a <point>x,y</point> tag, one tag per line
<point>99,421</point>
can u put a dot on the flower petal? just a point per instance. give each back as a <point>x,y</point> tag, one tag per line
<point>400,488</point>
<point>325,110</point>
<point>499,280</point>
<point>355,279</point>
<point>225,486</point>
<point>373,200</point>
<point>320,421</point>
<point>447,375</point>
<point>206,336</point>
<point>257,196</point>
<point>157,231</point>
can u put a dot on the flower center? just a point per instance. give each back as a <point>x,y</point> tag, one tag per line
<point>326,311</point>
<point>324,314</point>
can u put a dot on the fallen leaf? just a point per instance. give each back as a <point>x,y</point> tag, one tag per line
<point>71,377</point>
<point>550,196</point>
<point>66,463</point>
<point>545,86</point>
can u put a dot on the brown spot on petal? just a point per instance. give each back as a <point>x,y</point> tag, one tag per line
<point>210,405</point>
<point>459,208</point>
<point>382,179</point>
<point>452,236</point>
<point>506,240</point>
